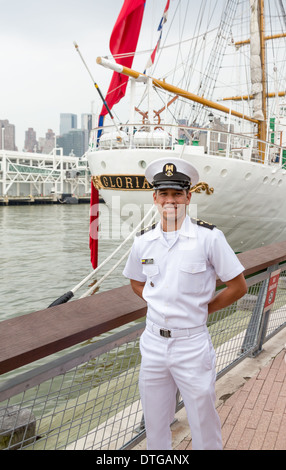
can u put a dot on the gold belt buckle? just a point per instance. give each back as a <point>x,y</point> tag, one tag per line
<point>165,333</point>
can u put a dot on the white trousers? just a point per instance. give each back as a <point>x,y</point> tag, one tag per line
<point>187,364</point>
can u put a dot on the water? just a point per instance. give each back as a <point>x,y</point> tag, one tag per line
<point>44,252</point>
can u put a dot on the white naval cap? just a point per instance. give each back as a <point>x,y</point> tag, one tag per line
<point>171,173</point>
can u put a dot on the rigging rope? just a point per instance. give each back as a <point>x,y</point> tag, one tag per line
<point>68,295</point>
<point>115,251</point>
<point>98,283</point>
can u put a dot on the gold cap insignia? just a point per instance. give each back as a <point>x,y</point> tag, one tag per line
<point>169,169</point>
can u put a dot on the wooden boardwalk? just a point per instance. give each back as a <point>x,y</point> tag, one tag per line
<point>254,417</point>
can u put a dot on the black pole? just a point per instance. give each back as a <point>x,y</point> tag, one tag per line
<point>95,84</point>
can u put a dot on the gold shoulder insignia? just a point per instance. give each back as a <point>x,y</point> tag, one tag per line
<point>145,230</point>
<point>202,223</point>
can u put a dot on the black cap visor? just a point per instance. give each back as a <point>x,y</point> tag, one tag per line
<point>172,185</point>
<point>176,181</point>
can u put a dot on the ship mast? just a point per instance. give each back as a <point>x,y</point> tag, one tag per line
<point>262,126</point>
<point>258,67</point>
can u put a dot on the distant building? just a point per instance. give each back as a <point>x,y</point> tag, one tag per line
<point>48,143</point>
<point>7,135</point>
<point>31,144</point>
<point>68,122</point>
<point>74,142</point>
<point>88,122</point>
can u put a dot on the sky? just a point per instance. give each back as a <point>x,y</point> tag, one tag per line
<point>41,73</point>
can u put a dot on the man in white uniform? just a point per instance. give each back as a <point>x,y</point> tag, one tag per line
<point>173,265</point>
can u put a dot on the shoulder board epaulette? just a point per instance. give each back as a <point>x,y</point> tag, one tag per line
<point>145,230</point>
<point>202,223</point>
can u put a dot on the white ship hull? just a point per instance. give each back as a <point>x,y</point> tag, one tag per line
<point>248,203</point>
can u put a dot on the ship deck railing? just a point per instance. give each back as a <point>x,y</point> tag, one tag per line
<point>69,374</point>
<point>195,140</point>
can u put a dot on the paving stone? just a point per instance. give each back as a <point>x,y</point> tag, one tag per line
<point>254,417</point>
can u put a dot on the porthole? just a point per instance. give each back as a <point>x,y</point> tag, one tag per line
<point>265,180</point>
<point>223,173</point>
<point>207,169</point>
<point>142,164</point>
<point>103,165</point>
<point>247,176</point>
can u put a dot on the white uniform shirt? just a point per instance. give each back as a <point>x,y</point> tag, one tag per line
<point>180,274</point>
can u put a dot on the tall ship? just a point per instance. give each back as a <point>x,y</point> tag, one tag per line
<point>219,104</point>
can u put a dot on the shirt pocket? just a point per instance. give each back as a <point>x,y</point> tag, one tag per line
<point>150,270</point>
<point>192,278</point>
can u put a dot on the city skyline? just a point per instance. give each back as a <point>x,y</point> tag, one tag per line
<point>45,144</point>
<point>41,70</point>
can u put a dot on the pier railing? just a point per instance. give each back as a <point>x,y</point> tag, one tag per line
<point>86,396</point>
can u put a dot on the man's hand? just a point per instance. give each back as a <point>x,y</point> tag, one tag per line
<point>235,289</point>
<point>137,287</point>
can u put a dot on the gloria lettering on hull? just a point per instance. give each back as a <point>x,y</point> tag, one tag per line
<point>121,182</point>
<point>137,183</point>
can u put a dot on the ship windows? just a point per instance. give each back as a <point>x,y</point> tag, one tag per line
<point>207,169</point>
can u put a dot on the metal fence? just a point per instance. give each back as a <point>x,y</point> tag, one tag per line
<point>212,140</point>
<point>89,399</point>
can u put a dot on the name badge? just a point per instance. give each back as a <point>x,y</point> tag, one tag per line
<point>147,261</point>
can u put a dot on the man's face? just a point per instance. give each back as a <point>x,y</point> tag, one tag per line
<point>172,204</point>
